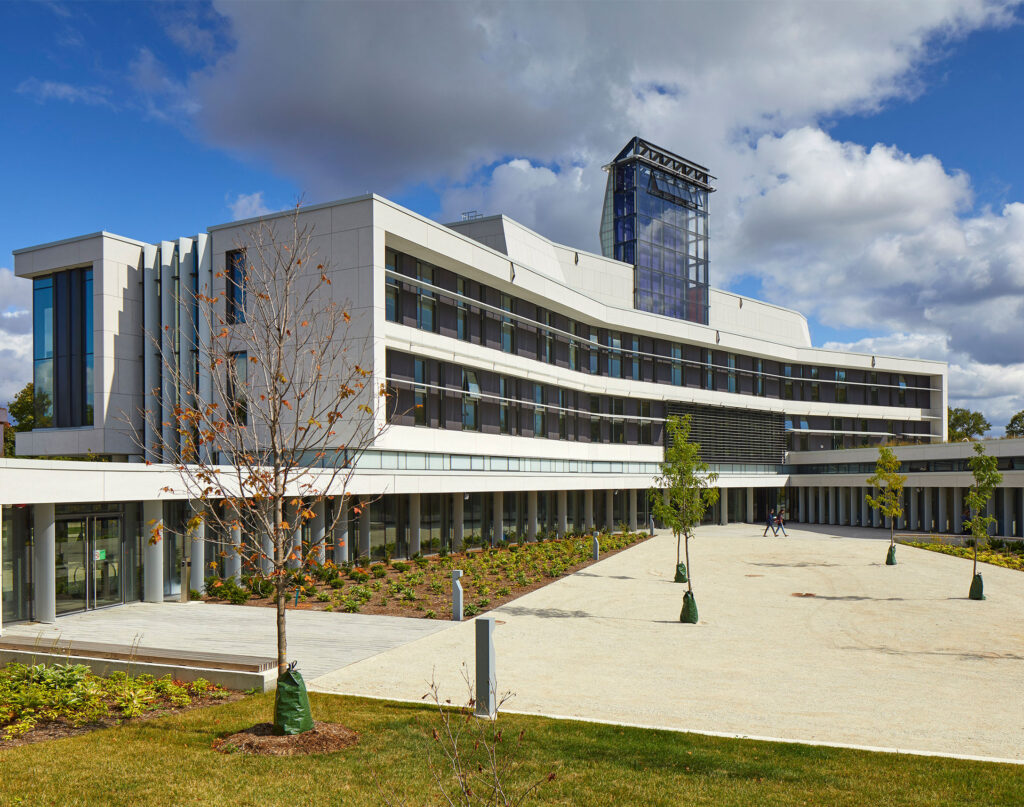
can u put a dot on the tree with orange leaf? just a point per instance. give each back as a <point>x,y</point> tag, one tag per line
<point>271,424</point>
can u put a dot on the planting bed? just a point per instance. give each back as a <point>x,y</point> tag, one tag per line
<point>422,587</point>
<point>1009,554</point>
<point>44,703</point>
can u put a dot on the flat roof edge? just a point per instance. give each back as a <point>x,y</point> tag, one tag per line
<point>86,237</point>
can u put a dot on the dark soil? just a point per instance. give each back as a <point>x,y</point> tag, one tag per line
<point>56,730</point>
<point>429,604</point>
<point>324,738</point>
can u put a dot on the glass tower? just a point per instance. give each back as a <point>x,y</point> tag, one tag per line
<point>656,217</point>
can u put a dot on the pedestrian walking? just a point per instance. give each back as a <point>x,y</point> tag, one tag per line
<point>770,523</point>
<point>780,522</point>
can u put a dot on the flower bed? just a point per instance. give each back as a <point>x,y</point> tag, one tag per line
<point>1009,554</point>
<point>39,702</point>
<point>422,587</point>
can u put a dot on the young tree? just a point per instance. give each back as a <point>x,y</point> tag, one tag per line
<point>281,410</point>
<point>965,424</point>
<point>986,479</point>
<point>1015,428</point>
<point>888,481</point>
<point>22,411</point>
<point>684,491</point>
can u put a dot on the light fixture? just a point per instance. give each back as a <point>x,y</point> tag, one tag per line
<point>872,361</point>
<point>718,337</point>
<point>512,271</point>
<point>577,257</point>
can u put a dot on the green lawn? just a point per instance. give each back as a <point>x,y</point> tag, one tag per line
<point>168,761</point>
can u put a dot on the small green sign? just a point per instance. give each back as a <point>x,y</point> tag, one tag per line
<point>101,554</point>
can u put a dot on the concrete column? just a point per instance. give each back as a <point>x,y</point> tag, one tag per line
<point>295,524</point>
<point>415,521</point>
<point>990,510</point>
<point>341,531</point>
<point>843,517</point>
<point>1007,522</point>
<point>459,522</point>
<point>563,513</point>
<point>804,515</point>
<point>318,531</point>
<point>943,523</point>
<point>723,506</point>
<point>833,512</point>
<point>914,514</point>
<point>588,509</point>
<point>854,507</point>
<point>498,518</point>
<point>267,551</point>
<point>44,563</point>
<point>233,561</point>
<point>876,517</point>
<point>364,529</point>
<point>1019,498</point>
<point>197,557</point>
<point>865,509</point>
<point>926,516</point>
<point>822,516</point>
<point>531,515</point>
<point>153,551</point>
<point>632,510</point>
<point>958,508</point>
<point>609,510</point>
<point>751,516</point>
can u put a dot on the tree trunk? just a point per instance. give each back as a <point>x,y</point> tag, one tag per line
<point>689,571</point>
<point>280,560</point>
<point>677,548</point>
<point>975,572</point>
<point>892,531</point>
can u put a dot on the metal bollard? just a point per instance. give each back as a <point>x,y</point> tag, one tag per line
<point>597,548</point>
<point>485,679</point>
<point>456,596</point>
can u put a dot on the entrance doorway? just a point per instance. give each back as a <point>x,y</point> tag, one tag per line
<point>88,566</point>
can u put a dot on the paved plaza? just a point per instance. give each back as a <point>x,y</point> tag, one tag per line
<point>886,657</point>
<point>320,641</point>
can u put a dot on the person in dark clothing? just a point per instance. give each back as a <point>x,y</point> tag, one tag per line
<point>770,523</point>
<point>780,522</point>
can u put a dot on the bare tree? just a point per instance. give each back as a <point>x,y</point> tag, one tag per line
<point>271,423</point>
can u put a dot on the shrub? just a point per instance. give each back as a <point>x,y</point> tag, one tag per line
<point>470,610</point>
<point>378,570</point>
<point>430,615</point>
<point>400,566</point>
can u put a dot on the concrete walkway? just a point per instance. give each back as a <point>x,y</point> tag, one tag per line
<point>890,657</point>
<point>321,642</point>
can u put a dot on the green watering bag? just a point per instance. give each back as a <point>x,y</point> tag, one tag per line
<point>291,704</point>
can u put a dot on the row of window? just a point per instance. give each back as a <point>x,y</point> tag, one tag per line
<point>481,315</point>
<point>425,392</point>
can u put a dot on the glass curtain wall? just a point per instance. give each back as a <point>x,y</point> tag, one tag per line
<point>656,218</point>
<point>16,570</point>
<point>62,337</point>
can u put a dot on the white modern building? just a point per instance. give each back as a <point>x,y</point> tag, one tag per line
<point>532,381</point>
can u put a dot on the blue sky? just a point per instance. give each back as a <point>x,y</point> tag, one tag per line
<point>157,120</point>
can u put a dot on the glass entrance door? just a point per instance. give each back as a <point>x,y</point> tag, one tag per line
<point>72,584</point>
<point>106,561</point>
<point>88,568</point>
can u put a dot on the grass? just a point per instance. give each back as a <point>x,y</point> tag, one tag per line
<point>169,761</point>
<point>1007,557</point>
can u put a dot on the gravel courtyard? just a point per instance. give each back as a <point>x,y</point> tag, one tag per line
<point>886,657</point>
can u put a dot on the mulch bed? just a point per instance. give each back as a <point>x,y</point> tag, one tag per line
<point>427,601</point>
<point>324,738</point>
<point>56,730</point>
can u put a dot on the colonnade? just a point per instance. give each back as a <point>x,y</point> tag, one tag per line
<point>925,509</point>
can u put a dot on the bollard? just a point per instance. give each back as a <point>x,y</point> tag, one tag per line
<point>456,596</point>
<point>485,680</point>
<point>597,548</point>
